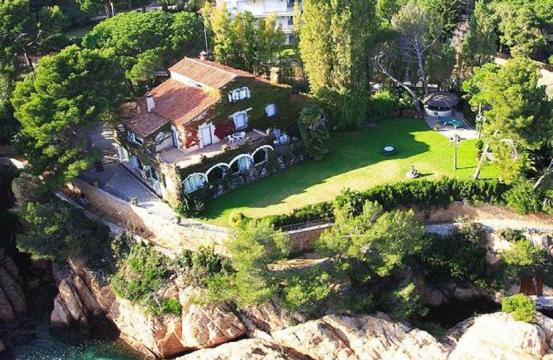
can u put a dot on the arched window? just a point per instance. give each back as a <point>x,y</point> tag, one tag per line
<point>270,110</point>
<point>217,172</point>
<point>241,163</point>
<point>261,155</point>
<point>193,182</point>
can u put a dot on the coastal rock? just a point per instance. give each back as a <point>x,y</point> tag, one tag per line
<point>270,317</point>
<point>6,310</point>
<point>60,316</point>
<point>251,349</point>
<point>207,325</point>
<point>13,291</point>
<point>361,337</point>
<point>498,336</point>
<point>155,335</point>
<point>69,296</point>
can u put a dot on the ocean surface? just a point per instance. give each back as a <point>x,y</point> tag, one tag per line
<point>46,346</point>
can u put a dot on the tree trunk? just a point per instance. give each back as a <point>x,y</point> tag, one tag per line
<point>548,171</point>
<point>422,71</point>
<point>28,59</point>
<point>481,161</point>
<point>416,100</point>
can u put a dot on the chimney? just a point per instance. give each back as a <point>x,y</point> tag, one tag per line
<point>275,75</point>
<point>150,102</point>
<point>203,55</point>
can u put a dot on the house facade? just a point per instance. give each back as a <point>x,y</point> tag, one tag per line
<point>282,9</point>
<point>208,129</point>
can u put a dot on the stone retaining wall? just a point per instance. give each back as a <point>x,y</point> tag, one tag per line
<point>304,239</point>
<point>166,234</point>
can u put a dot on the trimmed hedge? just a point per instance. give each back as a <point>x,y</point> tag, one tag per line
<point>424,193</point>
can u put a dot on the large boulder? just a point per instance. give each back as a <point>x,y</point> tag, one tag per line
<point>499,336</point>
<point>251,349</point>
<point>270,317</point>
<point>150,334</point>
<point>360,337</point>
<point>205,326</point>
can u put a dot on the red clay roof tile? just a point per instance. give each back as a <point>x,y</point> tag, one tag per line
<point>208,72</point>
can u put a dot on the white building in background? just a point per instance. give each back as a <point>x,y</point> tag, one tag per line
<point>282,9</point>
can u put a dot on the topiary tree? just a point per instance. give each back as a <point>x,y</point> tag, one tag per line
<point>313,131</point>
<point>520,306</point>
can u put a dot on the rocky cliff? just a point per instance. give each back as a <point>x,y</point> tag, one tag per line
<point>82,300</point>
<point>12,298</point>
<point>269,332</point>
<point>486,337</point>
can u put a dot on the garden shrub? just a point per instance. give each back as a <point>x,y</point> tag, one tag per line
<point>383,105</point>
<point>190,206</point>
<point>523,198</point>
<point>520,306</point>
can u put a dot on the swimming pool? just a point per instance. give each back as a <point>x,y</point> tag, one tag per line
<point>456,123</point>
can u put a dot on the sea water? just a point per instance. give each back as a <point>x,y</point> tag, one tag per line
<point>46,346</point>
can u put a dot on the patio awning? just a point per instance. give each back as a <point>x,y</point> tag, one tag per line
<point>441,99</point>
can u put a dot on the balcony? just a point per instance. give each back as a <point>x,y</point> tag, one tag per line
<point>183,159</point>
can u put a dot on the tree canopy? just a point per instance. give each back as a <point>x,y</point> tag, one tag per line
<point>25,30</point>
<point>145,42</point>
<point>243,42</point>
<point>60,103</point>
<point>335,45</point>
<point>519,118</point>
<point>480,44</point>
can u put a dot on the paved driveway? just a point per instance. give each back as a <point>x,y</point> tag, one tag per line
<point>119,182</point>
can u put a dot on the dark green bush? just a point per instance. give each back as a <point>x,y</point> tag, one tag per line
<point>523,198</point>
<point>383,104</point>
<point>423,193</point>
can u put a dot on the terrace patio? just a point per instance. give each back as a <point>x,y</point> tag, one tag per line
<point>192,157</point>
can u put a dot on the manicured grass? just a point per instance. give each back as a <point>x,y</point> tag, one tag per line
<point>354,161</point>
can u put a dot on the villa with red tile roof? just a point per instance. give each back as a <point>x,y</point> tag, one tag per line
<point>208,129</point>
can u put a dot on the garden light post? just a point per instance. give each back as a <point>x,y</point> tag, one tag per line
<point>455,140</point>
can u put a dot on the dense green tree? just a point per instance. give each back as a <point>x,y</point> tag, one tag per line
<point>441,64</point>
<point>243,42</point>
<point>378,241</point>
<point>335,43</point>
<point>480,43</point>
<point>411,48</point>
<point>519,116</point>
<point>145,42</point>
<point>314,132</point>
<point>59,105</point>
<point>386,9</point>
<point>26,30</point>
<point>53,230</point>
<point>447,11</point>
<point>252,249</point>
<point>520,29</point>
<point>8,124</point>
<point>418,33</point>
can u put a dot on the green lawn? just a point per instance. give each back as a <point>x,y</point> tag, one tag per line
<point>354,161</point>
